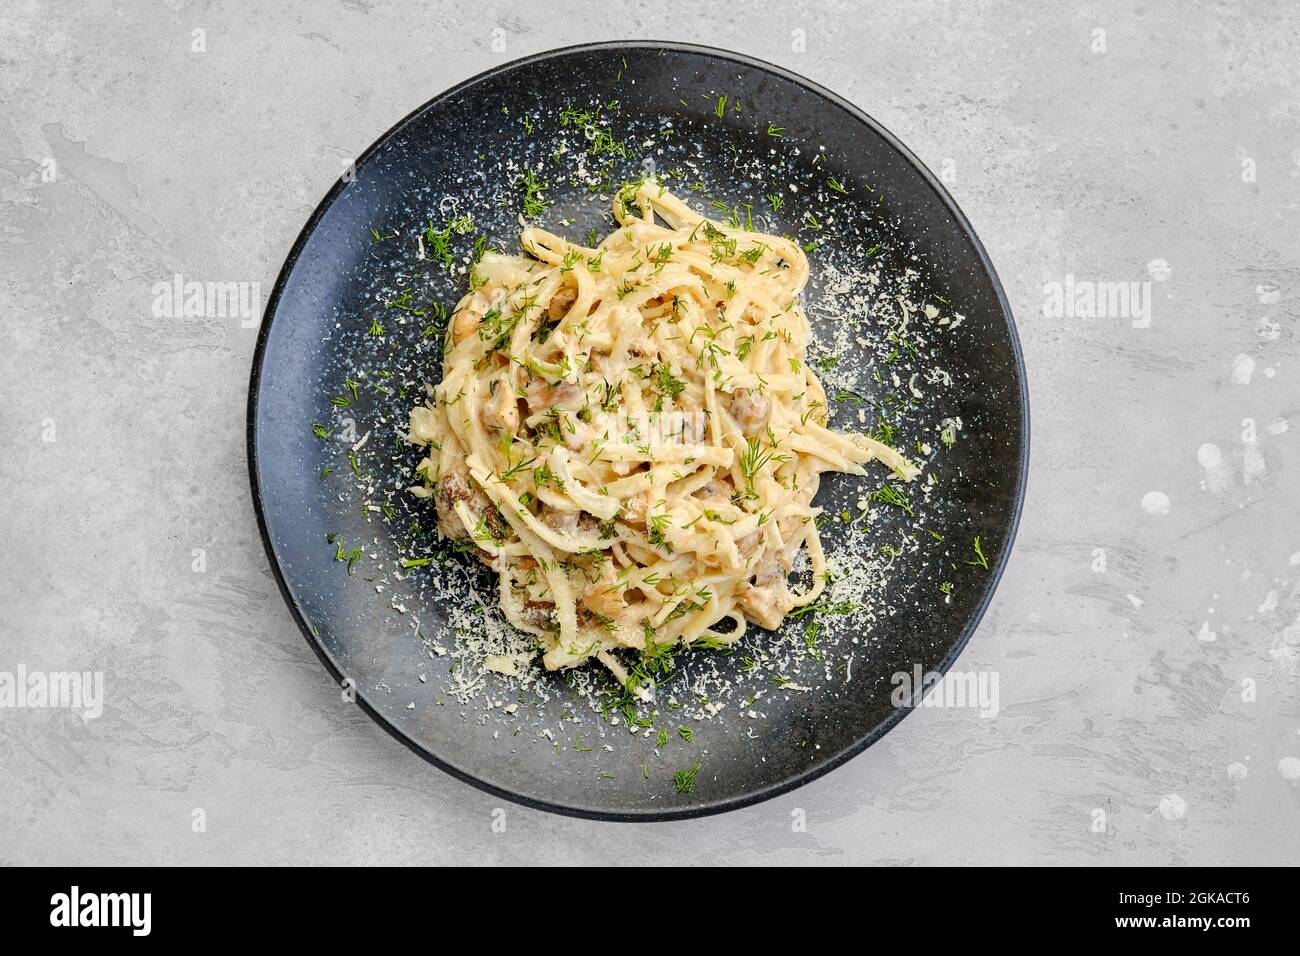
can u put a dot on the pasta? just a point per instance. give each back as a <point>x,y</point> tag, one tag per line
<point>630,436</point>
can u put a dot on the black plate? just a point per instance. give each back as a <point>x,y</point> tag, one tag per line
<point>775,130</point>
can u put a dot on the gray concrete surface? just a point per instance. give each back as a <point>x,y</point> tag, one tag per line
<point>1146,633</point>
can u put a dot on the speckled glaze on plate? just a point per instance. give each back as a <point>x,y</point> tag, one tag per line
<point>330,280</point>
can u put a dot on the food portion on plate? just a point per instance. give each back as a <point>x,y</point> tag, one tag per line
<point>759,450</point>
<point>629,433</point>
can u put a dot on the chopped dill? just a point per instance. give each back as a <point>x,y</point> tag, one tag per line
<point>534,204</point>
<point>684,780</point>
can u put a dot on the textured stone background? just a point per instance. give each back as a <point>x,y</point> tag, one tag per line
<point>1160,691</point>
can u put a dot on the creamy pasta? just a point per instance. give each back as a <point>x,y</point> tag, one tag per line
<point>630,435</point>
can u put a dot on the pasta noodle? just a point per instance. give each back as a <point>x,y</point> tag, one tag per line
<point>630,436</point>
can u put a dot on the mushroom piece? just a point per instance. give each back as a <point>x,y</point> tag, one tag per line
<point>541,394</point>
<point>767,600</point>
<point>469,313</point>
<point>750,409</point>
<point>458,486</point>
<point>559,305</point>
<point>502,410</point>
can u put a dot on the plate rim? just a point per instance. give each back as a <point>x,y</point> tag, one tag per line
<point>722,804</point>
